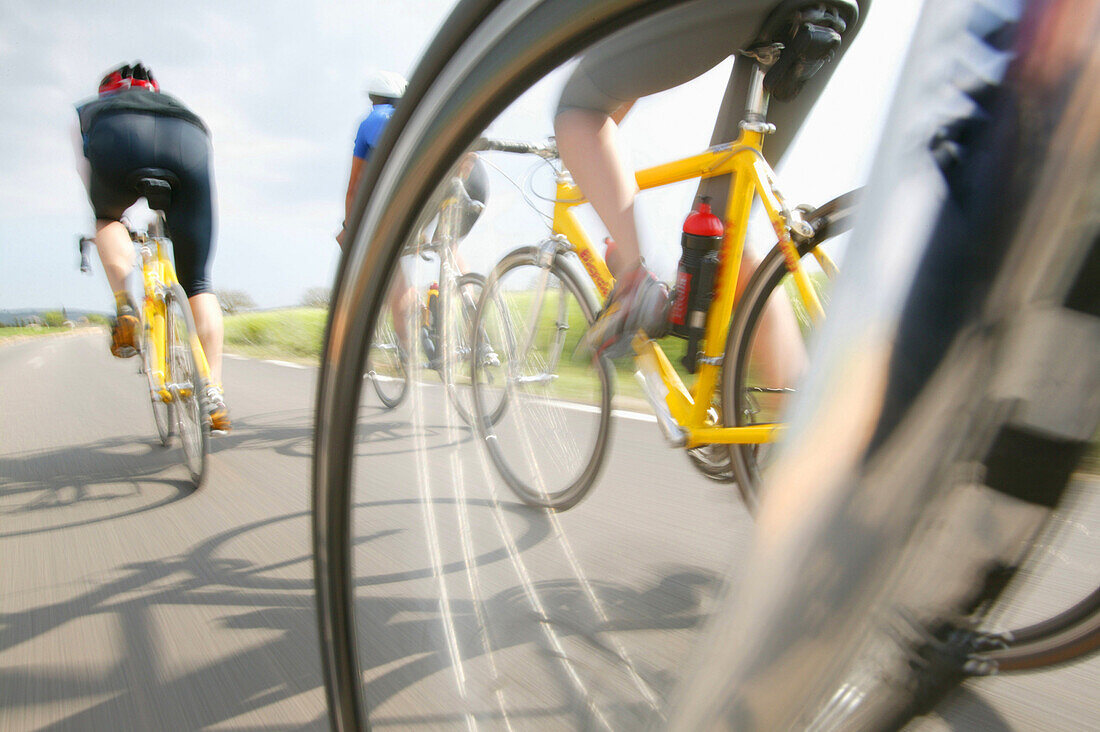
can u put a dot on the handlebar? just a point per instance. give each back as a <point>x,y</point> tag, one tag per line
<point>82,245</point>
<point>547,150</point>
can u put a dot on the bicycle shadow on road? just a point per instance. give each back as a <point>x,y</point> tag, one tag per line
<point>379,432</point>
<point>216,635</point>
<point>77,485</point>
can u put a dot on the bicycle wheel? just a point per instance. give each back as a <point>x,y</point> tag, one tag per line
<point>163,414</point>
<point>387,361</point>
<point>944,421</point>
<point>186,384</point>
<point>549,445</point>
<point>486,56</point>
<point>768,338</point>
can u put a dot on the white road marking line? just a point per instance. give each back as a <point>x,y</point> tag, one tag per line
<point>573,406</point>
<point>288,364</point>
<point>586,408</point>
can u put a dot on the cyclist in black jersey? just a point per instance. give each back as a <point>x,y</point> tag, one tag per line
<point>132,125</point>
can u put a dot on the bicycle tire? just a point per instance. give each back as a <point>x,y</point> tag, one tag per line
<point>739,406</point>
<point>392,385</point>
<point>487,53</point>
<point>458,352</point>
<point>186,384</point>
<point>163,415</point>
<point>534,405</point>
<point>966,405</point>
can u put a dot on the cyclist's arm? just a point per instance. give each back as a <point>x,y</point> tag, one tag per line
<point>353,185</point>
<point>359,156</point>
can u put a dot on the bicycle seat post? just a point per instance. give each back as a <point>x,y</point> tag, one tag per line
<point>756,105</point>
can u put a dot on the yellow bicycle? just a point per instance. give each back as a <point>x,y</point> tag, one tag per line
<point>172,358</point>
<point>538,300</point>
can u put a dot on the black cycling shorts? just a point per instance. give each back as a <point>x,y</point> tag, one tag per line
<point>123,142</point>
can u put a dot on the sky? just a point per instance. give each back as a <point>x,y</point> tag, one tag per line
<point>280,84</point>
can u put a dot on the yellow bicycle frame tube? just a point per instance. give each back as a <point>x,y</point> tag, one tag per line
<point>159,274</point>
<point>751,175</point>
<point>153,277</point>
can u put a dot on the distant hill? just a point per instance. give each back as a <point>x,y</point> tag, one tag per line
<point>15,317</point>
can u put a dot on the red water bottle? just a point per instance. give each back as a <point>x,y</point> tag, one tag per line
<point>701,241</point>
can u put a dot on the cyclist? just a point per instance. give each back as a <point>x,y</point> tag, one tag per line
<point>385,90</point>
<point>133,125</point>
<point>662,52</point>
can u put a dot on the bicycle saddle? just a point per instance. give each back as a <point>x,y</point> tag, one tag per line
<point>810,32</point>
<point>155,184</point>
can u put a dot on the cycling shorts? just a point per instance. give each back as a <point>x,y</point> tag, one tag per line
<point>123,142</point>
<point>477,188</point>
<point>676,46</point>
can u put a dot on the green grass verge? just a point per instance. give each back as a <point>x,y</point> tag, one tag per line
<point>7,332</point>
<point>293,334</point>
<point>296,334</point>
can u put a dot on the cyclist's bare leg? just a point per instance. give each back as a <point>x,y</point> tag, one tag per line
<point>401,299</point>
<point>779,342</point>
<point>587,142</point>
<point>208,323</point>
<point>116,252</point>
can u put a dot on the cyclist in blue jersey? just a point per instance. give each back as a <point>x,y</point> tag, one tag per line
<point>130,126</point>
<point>385,90</point>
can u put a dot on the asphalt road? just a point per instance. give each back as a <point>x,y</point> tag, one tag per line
<point>130,601</point>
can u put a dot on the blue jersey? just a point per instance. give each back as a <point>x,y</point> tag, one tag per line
<point>370,130</point>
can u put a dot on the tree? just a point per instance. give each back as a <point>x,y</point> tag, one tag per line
<point>234,301</point>
<point>316,297</point>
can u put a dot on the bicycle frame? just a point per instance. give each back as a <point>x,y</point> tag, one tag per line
<point>157,274</point>
<point>752,176</point>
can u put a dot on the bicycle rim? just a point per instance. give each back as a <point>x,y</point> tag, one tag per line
<point>549,445</point>
<point>386,362</point>
<point>185,384</point>
<point>767,349</point>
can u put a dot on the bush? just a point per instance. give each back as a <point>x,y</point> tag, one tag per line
<point>234,301</point>
<point>295,332</point>
<point>53,318</point>
<point>316,297</point>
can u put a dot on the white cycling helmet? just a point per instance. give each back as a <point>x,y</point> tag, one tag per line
<point>387,84</point>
